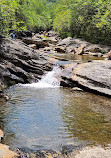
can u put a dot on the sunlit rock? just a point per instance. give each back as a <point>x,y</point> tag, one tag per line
<point>5,152</point>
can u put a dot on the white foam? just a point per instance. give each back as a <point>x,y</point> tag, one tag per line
<point>50,80</point>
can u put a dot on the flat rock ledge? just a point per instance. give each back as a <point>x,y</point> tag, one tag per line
<point>89,152</point>
<point>92,76</point>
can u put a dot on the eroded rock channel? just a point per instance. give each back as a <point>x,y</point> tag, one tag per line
<point>63,120</point>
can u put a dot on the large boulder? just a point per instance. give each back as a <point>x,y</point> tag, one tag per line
<point>20,63</point>
<point>65,42</point>
<point>85,152</point>
<point>60,49</point>
<point>93,76</point>
<point>72,41</point>
<point>51,40</point>
<point>38,42</point>
<point>80,46</point>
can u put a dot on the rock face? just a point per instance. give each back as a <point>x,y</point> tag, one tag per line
<point>93,76</point>
<point>26,60</point>
<point>88,152</point>
<point>5,152</point>
<point>79,46</point>
<point>38,42</point>
<point>20,63</point>
<point>27,153</point>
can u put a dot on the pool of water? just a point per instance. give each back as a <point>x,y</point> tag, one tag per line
<point>47,118</point>
<point>74,57</point>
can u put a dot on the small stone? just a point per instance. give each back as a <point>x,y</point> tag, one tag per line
<point>77,89</point>
<point>32,46</point>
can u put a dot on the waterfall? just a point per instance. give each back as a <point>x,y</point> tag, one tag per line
<point>50,80</point>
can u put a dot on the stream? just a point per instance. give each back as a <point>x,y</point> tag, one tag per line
<point>44,115</point>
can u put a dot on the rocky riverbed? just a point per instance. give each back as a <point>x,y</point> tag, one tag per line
<point>92,76</point>
<point>25,60</point>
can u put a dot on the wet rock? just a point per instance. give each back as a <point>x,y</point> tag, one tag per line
<point>4,96</point>
<point>66,149</point>
<point>96,152</point>
<point>27,153</point>
<point>65,83</point>
<point>77,89</point>
<point>86,152</point>
<point>47,154</point>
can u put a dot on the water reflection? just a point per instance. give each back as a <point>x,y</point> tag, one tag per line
<point>78,57</point>
<point>87,117</point>
<point>47,118</point>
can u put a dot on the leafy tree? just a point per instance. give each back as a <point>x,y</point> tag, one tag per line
<point>89,19</point>
<point>7,15</point>
<point>36,14</point>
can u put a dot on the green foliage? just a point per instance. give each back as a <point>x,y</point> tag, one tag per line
<point>7,15</point>
<point>24,14</point>
<point>89,19</point>
<point>92,21</point>
<point>36,14</point>
<point>62,22</point>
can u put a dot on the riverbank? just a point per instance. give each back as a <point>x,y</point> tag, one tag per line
<point>86,152</point>
<point>93,76</point>
<point>26,60</point>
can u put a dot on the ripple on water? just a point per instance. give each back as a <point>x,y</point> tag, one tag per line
<point>51,117</point>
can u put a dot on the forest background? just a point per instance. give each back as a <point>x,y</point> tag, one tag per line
<point>87,19</point>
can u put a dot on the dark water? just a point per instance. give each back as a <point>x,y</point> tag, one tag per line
<point>74,57</point>
<point>47,118</point>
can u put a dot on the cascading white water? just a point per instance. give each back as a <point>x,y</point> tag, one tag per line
<point>50,80</point>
